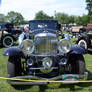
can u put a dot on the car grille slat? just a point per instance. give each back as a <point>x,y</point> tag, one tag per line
<point>45,45</point>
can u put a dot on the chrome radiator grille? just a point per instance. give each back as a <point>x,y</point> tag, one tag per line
<point>46,44</point>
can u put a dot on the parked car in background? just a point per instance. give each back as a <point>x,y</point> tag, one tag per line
<point>42,56</point>
<point>77,30</point>
<point>89,27</point>
<point>8,34</point>
<point>85,40</point>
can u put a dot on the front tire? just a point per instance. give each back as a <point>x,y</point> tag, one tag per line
<point>14,66</point>
<point>8,41</point>
<point>77,64</point>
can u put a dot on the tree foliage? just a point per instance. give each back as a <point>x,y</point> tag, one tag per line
<point>62,18</point>
<point>89,6</point>
<point>17,18</point>
<point>14,17</point>
<point>65,18</point>
<point>2,18</point>
<point>42,16</point>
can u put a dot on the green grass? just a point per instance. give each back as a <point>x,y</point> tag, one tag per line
<point>54,87</point>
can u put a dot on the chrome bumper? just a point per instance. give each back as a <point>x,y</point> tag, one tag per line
<point>29,80</point>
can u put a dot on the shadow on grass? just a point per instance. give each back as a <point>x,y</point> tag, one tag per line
<point>1,47</point>
<point>90,52</point>
<point>87,84</point>
<point>42,88</point>
<point>21,87</point>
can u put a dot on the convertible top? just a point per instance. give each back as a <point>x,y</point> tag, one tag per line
<point>43,21</point>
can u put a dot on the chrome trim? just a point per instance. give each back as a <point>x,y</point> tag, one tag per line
<point>45,43</point>
<point>26,83</point>
<point>45,34</point>
<point>60,46</point>
<point>44,68</point>
<point>48,55</point>
<point>81,77</point>
<point>24,46</point>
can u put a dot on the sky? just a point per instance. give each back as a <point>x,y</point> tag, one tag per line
<point>28,8</point>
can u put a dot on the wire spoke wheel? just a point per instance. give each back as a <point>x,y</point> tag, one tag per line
<point>8,41</point>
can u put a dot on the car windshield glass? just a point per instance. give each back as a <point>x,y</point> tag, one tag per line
<point>42,24</point>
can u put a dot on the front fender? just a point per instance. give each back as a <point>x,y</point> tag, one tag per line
<point>13,51</point>
<point>76,49</point>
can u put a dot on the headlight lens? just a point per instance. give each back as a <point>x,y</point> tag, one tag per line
<point>27,46</point>
<point>64,46</point>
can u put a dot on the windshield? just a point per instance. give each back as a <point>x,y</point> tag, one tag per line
<point>40,24</point>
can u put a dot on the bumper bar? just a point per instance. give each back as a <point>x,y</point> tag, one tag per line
<point>29,80</point>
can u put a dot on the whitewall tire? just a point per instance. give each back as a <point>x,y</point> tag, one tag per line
<point>8,41</point>
<point>82,43</point>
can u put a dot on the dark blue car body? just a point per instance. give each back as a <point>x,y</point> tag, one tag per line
<point>50,60</point>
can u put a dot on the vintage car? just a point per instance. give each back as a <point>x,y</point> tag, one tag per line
<point>43,56</point>
<point>77,30</point>
<point>8,34</point>
<point>85,40</point>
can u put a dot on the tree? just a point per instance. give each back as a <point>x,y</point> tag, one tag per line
<point>2,18</point>
<point>62,18</point>
<point>14,17</point>
<point>85,19</point>
<point>41,15</point>
<point>72,19</point>
<point>89,6</point>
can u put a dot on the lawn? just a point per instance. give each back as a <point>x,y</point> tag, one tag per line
<point>54,87</point>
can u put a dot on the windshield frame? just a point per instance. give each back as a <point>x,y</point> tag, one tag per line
<point>44,24</point>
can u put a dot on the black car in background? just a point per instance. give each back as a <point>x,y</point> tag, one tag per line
<point>8,34</point>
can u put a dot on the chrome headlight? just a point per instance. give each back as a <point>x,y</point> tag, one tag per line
<point>27,46</point>
<point>64,46</point>
<point>47,62</point>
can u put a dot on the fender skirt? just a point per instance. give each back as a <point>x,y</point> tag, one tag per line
<point>76,49</point>
<point>13,51</point>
